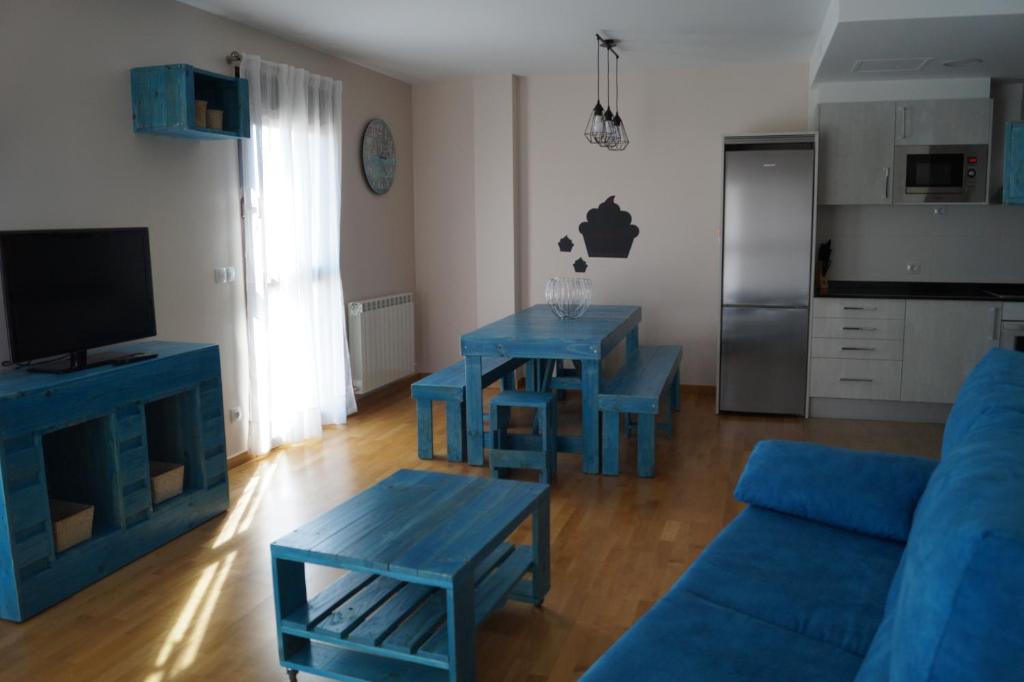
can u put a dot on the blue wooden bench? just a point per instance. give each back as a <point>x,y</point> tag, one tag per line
<point>449,386</point>
<point>639,389</point>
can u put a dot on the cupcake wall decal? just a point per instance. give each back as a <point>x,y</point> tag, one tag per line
<point>565,244</point>
<point>579,265</point>
<point>608,232</point>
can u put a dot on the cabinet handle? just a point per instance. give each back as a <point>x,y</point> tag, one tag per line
<point>857,307</point>
<point>860,329</point>
<point>866,381</point>
<point>885,183</point>
<point>995,325</point>
<point>903,122</point>
<point>855,348</point>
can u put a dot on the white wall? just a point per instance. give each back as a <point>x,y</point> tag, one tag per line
<point>70,159</point>
<point>669,179</point>
<point>966,244</point>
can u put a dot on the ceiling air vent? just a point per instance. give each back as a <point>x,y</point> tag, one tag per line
<point>890,65</point>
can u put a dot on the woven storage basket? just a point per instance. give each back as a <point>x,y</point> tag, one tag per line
<point>72,523</point>
<point>166,480</point>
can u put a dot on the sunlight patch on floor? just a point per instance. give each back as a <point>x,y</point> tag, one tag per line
<point>193,621</point>
<point>241,516</point>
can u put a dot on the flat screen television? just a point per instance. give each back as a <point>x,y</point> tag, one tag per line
<point>69,291</point>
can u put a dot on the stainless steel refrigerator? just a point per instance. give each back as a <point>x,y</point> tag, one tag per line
<point>767,244</point>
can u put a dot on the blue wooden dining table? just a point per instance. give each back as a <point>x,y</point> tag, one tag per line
<point>537,334</point>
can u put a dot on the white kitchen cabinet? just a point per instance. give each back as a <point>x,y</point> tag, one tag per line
<point>856,152</point>
<point>943,341</point>
<point>944,121</point>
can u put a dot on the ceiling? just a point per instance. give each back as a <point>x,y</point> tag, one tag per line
<point>423,40</point>
<point>917,48</point>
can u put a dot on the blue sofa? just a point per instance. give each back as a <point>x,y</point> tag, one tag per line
<point>859,566</point>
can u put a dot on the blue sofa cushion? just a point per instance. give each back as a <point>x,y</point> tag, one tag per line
<point>866,492</point>
<point>956,607</point>
<point>822,582</point>
<point>686,638</point>
<point>992,395</point>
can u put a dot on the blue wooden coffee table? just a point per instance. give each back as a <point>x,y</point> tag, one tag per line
<point>428,560</point>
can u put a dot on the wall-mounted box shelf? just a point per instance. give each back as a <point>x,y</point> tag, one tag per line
<point>1013,164</point>
<point>88,438</point>
<point>164,101</point>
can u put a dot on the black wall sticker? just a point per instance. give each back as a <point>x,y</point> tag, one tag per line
<point>608,232</point>
<point>565,244</point>
<point>579,265</point>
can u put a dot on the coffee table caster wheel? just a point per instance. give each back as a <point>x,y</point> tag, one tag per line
<point>293,675</point>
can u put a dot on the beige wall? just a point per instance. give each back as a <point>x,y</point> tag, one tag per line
<point>670,179</point>
<point>494,145</point>
<point>464,137</point>
<point>70,159</point>
<point>445,210</point>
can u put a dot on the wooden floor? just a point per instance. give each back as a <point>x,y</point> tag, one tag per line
<point>200,608</point>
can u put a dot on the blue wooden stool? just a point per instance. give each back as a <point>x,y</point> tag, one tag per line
<point>449,386</point>
<point>518,451</point>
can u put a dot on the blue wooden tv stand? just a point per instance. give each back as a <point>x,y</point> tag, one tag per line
<point>88,437</point>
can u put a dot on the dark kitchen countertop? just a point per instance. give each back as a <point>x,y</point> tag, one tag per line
<point>962,291</point>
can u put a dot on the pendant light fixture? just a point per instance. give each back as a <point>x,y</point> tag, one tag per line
<point>609,138</point>
<point>621,138</point>
<point>603,127</point>
<point>594,131</point>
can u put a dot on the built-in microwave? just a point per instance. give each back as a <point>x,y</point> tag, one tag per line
<point>941,174</point>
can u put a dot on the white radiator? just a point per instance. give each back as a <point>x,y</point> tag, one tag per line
<point>382,340</point>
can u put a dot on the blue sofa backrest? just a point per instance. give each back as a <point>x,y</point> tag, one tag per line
<point>956,607</point>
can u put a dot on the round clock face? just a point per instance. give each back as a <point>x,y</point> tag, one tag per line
<point>378,156</point>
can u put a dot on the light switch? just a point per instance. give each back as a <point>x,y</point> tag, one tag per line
<point>224,275</point>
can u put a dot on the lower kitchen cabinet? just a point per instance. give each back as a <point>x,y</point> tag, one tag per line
<point>943,340</point>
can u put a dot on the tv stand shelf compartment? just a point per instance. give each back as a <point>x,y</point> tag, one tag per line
<point>88,437</point>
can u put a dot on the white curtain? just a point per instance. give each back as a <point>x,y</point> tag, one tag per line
<point>299,370</point>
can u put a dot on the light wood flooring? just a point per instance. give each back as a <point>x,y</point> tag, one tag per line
<point>200,608</point>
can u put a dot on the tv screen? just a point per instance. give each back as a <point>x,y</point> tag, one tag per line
<point>67,291</point>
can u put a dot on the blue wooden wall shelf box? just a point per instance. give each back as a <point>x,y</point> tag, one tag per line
<point>164,101</point>
<point>1013,164</point>
<point>88,437</point>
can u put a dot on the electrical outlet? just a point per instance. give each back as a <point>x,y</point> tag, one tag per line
<point>914,268</point>
<point>939,210</point>
<point>234,414</point>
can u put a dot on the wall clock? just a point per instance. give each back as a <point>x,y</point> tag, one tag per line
<point>378,156</point>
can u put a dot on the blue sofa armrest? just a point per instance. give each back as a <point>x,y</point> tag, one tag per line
<point>868,492</point>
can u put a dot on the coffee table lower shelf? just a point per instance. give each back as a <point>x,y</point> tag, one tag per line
<point>368,627</point>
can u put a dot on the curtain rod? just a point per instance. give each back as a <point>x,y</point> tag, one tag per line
<point>234,57</point>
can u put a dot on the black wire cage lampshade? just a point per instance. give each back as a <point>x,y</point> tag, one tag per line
<point>603,127</point>
<point>594,132</point>
<point>618,139</point>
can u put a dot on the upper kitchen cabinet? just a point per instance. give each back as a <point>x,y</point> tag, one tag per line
<point>856,152</point>
<point>942,342</point>
<point>944,121</point>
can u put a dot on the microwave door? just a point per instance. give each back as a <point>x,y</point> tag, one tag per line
<point>935,173</point>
